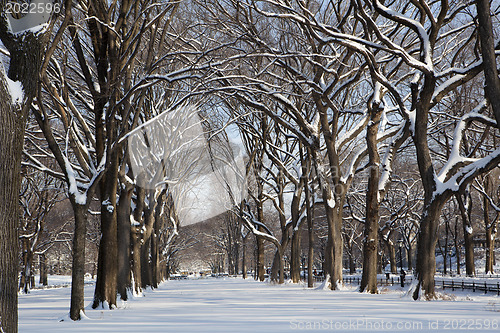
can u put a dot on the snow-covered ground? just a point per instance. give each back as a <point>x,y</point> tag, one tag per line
<point>237,305</point>
<point>57,281</point>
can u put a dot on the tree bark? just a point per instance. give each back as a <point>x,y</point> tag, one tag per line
<point>146,272</point>
<point>155,258</point>
<point>155,241</point>
<point>465,212</point>
<point>260,259</point>
<point>426,247</point>
<point>25,279</point>
<point>244,257</point>
<point>333,198</point>
<point>492,82</point>
<point>136,239</point>
<point>446,251</point>
<point>457,247</point>
<point>490,248</point>
<point>11,137</point>
<point>107,265</point>
<point>409,256</point>
<point>123,238</point>
<point>136,259</point>
<point>261,271</point>
<point>392,256</point>
<point>43,270</point>
<point>491,231</point>
<point>310,232</point>
<point>427,237</point>
<point>278,265</point>
<point>372,216</point>
<point>78,268</point>
<point>470,267</point>
<point>26,53</point>
<point>295,257</point>
<point>352,262</point>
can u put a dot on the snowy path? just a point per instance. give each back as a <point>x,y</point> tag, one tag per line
<point>236,305</point>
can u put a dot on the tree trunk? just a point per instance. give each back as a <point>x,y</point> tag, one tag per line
<point>146,278</point>
<point>372,215</point>
<point>490,250</point>
<point>155,258</point>
<point>107,264</point>
<point>244,257</point>
<point>136,238</point>
<point>490,234</point>
<point>446,251</point>
<point>470,268</point>
<point>333,253</point>
<point>260,241</point>
<point>123,238</point>
<point>426,247</point>
<point>11,137</point>
<point>381,264</point>
<point>337,250</point>
<point>457,247</point>
<point>310,236</point>
<point>409,256</point>
<point>260,259</point>
<point>392,256</point>
<point>492,82</point>
<point>334,248</point>
<point>282,267</point>
<point>352,262</point>
<point>155,241</point>
<point>429,223</point>
<point>445,257</point>
<point>78,268</point>
<point>278,265</point>
<point>136,259</point>
<point>295,257</point>
<point>147,232</point>
<point>465,212</point>
<point>25,280</point>
<point>26,52</point>
<point>277,269</point>
<point>43,270</point>
<point>237,257</point>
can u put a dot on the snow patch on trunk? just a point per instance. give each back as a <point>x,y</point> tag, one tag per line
<point>331,202</point>
<point>16,91</point>
<point>325,285</point>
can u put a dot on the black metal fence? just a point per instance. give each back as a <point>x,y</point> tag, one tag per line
<point>391,281</point>
<point>475,286</point>
<point>444,284</point>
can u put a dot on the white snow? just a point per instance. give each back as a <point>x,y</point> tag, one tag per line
<point>16,90</point>
<point>80,197</point>
<point>468,229</point>
<point>40,28</point>
<point>109,205</point>
<point>133,222</point>
<point>237,305</point>
<point>331,202</point>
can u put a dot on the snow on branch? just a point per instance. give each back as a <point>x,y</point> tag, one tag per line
<point>455,159</point>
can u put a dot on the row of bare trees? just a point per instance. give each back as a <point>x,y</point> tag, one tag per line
<point>345,86</point>
<point>327,97</point>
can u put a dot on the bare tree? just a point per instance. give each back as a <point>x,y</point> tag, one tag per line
<point>490,193</point>
<point>488,47</point>
<point>24,48</point>
<point>40,193</point>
